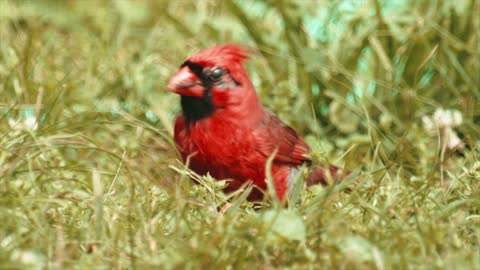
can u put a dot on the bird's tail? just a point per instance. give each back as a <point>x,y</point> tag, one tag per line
<point>325,176</point>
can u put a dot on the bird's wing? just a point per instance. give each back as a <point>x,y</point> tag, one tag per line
<point>271,135</point>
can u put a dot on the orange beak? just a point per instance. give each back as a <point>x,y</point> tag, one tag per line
<point>184,82</point>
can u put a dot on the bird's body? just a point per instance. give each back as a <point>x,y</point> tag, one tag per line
<point>224,130</point>
<point>227,149</point>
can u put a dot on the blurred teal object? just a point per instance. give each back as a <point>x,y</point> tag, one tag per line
<point>151,116</point>
<point>427,76</point>
<point>30,112</point>
<point>319,26</point>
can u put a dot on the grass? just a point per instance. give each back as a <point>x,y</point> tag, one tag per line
<point>89,178</point>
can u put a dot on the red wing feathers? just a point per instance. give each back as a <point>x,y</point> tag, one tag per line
<point>272,134</point>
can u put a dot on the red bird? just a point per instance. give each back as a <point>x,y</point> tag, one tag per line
<point>224,130</point>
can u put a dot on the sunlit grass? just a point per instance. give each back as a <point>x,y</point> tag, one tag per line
<point>89,176</point>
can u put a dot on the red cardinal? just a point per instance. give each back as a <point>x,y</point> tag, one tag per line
<point>224,130</point>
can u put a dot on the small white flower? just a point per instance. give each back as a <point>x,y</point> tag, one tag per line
<point>447,118</point>
<point>12,123</point>
<point>428,124</point>
<point>452,140</point>
<point>30,259</point>
<point>29,123</point>
<point>443,121</point>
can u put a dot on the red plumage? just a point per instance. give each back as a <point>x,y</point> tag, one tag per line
<point>224,130</point>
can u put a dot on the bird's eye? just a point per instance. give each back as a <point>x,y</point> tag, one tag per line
<point>216,74</point>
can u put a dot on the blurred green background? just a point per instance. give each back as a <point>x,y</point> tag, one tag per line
<point>89,178</point>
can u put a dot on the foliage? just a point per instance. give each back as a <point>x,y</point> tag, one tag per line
<point>89,177</point>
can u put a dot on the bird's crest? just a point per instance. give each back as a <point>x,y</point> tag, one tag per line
<point>222,55</point>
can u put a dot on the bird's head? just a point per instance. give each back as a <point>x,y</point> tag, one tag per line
<point>214,79</point>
